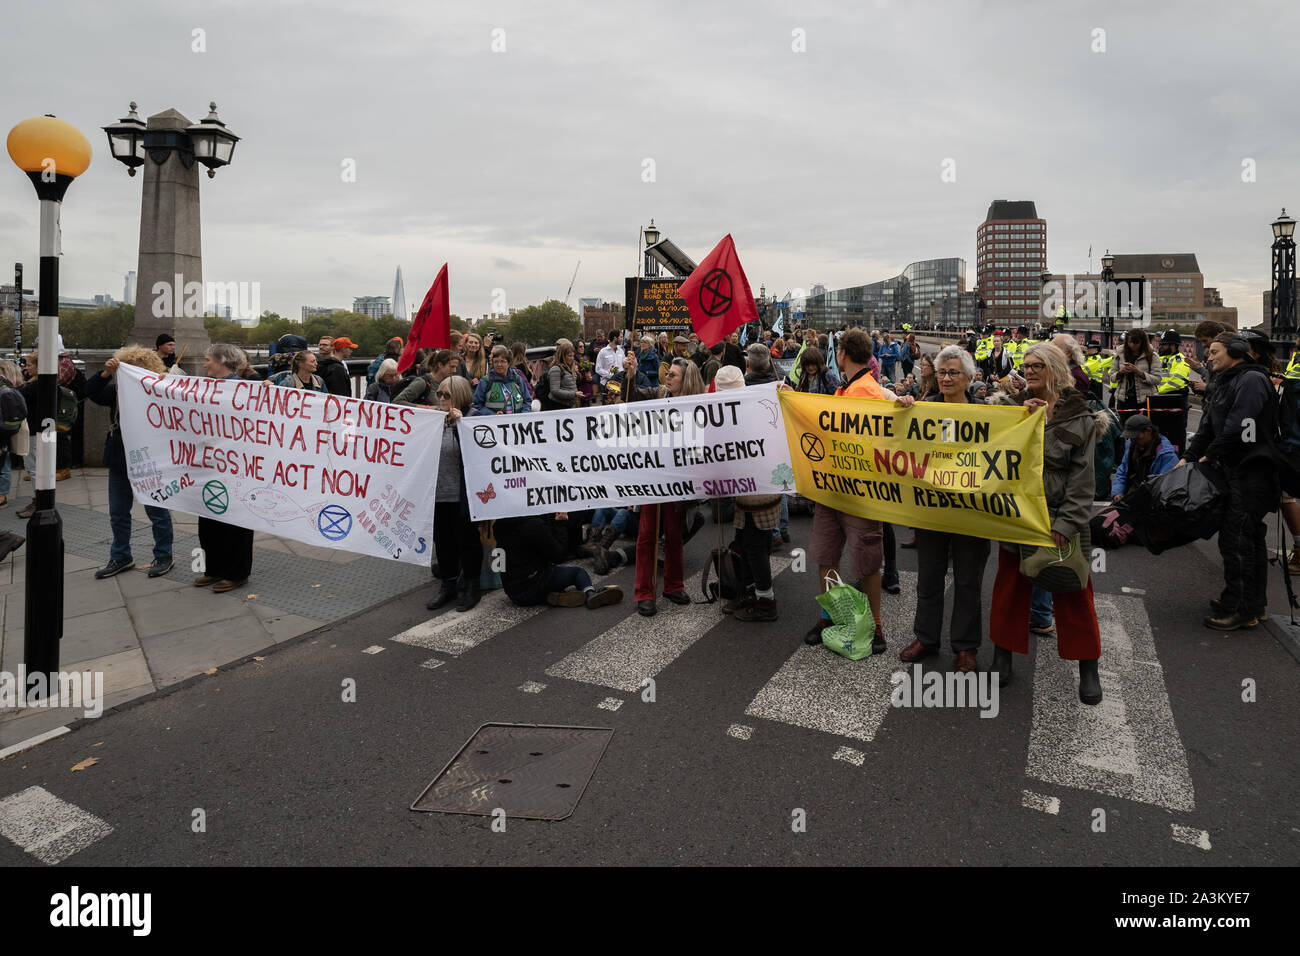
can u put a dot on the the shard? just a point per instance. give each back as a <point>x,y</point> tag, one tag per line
<point>399,297</point>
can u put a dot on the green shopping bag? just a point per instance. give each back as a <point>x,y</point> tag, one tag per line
<point>852,626</point>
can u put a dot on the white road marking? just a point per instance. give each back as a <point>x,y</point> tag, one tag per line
<point>1126,746</point>
<point>740,731</point>
<point>373,649</point>
<point>33,741</point>
<point>819,690</point>
<point>1191,836</point>
<point>610,703</point>
<point>433,662</point>
<point>455,633</point>
<point>849,755</point>
<point>1128,590</point>
<point>532,687</point>
<point>1036,801</point>
<point>639,647</point>
<point>48,828</point>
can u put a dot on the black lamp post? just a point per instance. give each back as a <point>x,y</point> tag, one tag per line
<point>52,153</point>
<point>651,237</point>
<point>209,142</point>
<point>1107,284</point>
<point>1282,317</point>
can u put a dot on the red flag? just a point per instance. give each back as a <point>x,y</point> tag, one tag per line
<point>717,294</point>
<point>432,326</point>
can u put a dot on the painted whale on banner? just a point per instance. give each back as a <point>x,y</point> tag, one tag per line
<point>274,506</point>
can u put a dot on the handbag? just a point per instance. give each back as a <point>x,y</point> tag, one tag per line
<point>852,625</point>
<point>1058,570</point>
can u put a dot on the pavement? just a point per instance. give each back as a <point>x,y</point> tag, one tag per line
<point>733,744</point>
<point>146,634</point>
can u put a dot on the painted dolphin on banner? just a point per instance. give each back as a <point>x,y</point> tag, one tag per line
<point>274,506</point>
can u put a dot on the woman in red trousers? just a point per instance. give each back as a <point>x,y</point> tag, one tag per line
<point>1069,438</point>
<point>682,378</point>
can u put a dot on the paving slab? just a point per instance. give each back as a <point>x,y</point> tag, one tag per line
<point>121,671</point>
<point>138,584</point>
<point>166,612</point>
<point>181,654</point>
<point>96,635</point>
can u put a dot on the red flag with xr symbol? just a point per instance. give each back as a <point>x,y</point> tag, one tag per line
<point>717,294</point>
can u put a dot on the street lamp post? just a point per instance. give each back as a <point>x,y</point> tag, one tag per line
<point>52,153</point>
<point>170,271</point>
<point>1282,317</point>
<point>1107,285</point>
<point>651,265</point>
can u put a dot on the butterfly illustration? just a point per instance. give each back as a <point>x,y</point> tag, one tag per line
<point>486,496</point>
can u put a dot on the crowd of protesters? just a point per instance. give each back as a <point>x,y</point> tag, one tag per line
<point>1095,452</point>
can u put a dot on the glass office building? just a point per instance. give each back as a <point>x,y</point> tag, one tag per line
<point>890,303</point>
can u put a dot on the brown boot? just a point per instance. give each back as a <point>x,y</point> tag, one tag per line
<point>1293,563</point>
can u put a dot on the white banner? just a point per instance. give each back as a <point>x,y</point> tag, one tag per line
<point>674,449</point>
<point>329,471</point>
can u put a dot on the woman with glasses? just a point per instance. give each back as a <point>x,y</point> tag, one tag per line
<point>456,543</point>
<point>954,371</point>
<point>682,378</point>
<point>927,382</point>
<point>1070,435</point>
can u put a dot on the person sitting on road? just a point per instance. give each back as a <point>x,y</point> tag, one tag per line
<point>534,572</point>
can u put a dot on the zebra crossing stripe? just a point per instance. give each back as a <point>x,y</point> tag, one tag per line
<point>640,647</point>
<point>455,633</point>
<point>1126,746</point>
<point>819,690</point>
<point>48,828</point>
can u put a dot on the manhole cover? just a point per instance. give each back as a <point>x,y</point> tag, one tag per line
<point>531,771</point>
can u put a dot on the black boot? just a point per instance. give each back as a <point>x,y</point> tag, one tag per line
<point>1089,683</point>
<point>469,597</point>
<point>445,596</point>
<point>1001,665</point>
<point>608,536</point>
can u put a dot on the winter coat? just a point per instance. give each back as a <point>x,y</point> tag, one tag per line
<point>419,390</point>
<point>764,377</point>
<point>379,392</point>
<point>334,374</point>
<point>996,366</point>
<point>563,388</point>
<point>1147,382</point>
<point>103,391</point>
<point>823,383</point>
<point>1242,392</point>
<point>648,365</point>
<point>290,380</point>
<point>1069,442</point>
<point>507,393</point>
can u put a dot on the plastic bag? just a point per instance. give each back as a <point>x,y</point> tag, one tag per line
<point>852,625</point>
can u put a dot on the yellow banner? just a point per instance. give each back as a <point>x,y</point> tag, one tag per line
<point>969,469</point>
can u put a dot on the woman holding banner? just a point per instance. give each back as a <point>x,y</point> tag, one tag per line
<point>456,542</point>
<point>1069,439</point>
<point>683,378</point>
<point>227,548</point>
<point>955,369</point>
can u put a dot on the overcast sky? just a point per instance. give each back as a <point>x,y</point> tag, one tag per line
<point>824,165</point>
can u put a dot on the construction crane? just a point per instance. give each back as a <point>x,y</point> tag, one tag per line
<point>571,281</point>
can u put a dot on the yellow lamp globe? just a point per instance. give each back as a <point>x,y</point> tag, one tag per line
<point>45,144</point>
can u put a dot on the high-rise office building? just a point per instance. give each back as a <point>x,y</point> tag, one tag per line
<point>399,297</point>
<point>890,303</point>
<point>1010,258</point>
<point>374,306</point>
<point>128,288</point>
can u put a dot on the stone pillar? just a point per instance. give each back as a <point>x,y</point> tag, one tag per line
<point>169,286</point>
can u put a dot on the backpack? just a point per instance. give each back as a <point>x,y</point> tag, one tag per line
<point>65,413</point>
<point>13,411</point>
<point>721,564</point>
<point>542,391</point>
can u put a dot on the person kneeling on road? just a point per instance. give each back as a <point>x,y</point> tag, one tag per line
<point>533,573</point>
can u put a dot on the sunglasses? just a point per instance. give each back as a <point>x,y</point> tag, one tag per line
<point>444,394</point>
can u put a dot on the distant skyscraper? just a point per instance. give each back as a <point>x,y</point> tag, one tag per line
<point>399,297</point>
<point>128,290</point>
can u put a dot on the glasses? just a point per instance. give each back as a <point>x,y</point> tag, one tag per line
<point>948,373</point>
<point>1034,366</point>
<point>444,394</point>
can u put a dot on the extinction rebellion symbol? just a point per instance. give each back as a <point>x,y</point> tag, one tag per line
<point>334,522</point>
<point>215,497</point>
<point>811,446</point>
<point>715,292</point>
<point>483,437</point>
